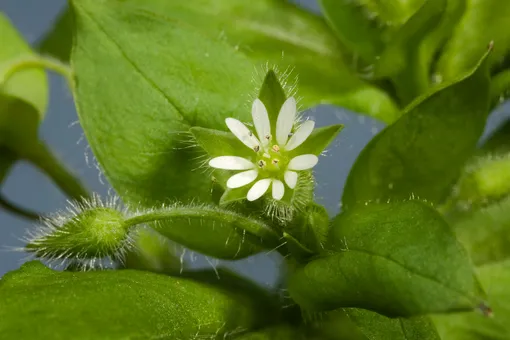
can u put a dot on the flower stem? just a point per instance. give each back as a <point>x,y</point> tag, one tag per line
<point>254,227</point>
<point>37,62</point>
<point>18,210</point>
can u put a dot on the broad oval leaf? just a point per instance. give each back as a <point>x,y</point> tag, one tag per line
<point>423,152</point>
<point>374,260</point>
<point>283,35</point>
<point>483,21</point>
<point>158,77</point>
<point>44,304</point>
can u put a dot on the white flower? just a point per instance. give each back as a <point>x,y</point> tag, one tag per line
<point>270,163</point>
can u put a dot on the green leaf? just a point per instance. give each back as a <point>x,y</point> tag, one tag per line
<point>58,40</point>
<point>483,21</point>
<point>44,304</point>
<point>374,260</point>
<point>404,59</point>
<point>280,34</point>
<point>283,332</point>
<point>366,27</point>
<point>137,125</point>
<point>375,326</point>
<point>423,152</point>
<point>356,27</point>
<point>494,325</point>
<point>485,232</point>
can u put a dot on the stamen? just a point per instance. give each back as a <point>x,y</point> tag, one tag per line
<point>256,148</point>
<point>275,161</point>
<point>250,134</point>
<point>268,137</point>
<point>276,148</point>
<point>261,163</point>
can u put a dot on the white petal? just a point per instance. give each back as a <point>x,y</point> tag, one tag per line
<point>258,189</point>
<point>242,132</point>
<point>285,120</point>
<point>301,135</point>
<point>291,178</point>
<point>242,178</point>
<point>303,162</point>
<point>231,163</point>
<point>261,120</point>
<point>278,189</point>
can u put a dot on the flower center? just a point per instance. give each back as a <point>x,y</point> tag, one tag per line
<point>271,160</point>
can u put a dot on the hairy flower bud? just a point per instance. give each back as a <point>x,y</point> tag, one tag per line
<point>87,232</point>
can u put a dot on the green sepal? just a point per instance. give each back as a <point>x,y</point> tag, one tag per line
<point>273,96</point>
<point>298,250</point>
<point>318,141</point>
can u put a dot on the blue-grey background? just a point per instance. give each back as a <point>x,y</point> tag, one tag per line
<point>62,132</point>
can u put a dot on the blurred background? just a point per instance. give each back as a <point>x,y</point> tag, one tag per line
<point>61,130</point>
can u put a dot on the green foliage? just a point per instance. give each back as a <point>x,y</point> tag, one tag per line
<point>116,305</point>
<point>423,152</point>
<point>483,21</point>
<point>374,260</point>
<point>201,88</point>
<point>485,232</point>
<point>494,324</point>
<point>375,326</point>
<point>423,237</point>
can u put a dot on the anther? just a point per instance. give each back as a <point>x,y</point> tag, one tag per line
<point>275,161</point>
<point>276,148</point>
<point>261,163</point>
<point>250,133</point>
<point>256,148</point>
<point>268,137</point>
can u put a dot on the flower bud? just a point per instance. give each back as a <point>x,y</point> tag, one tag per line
<point>89,231</point>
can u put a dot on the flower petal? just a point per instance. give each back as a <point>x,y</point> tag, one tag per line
<point>278,189</point>
<point>291,178</point>
<point>242,178</point>
<point>242,132</point>
<point>301,135</point>
<point>285,120</point>
<point>261,121</point>
<point>231,163</point>
<point>258,189</point>
<point>303,162</point>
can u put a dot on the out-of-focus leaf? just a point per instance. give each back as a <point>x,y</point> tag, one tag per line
<point>423,152</point>
<point>491,323</point>
<point>374,260</point>
<point>58,40</point>
<point>483,21</point>
<point>377,327</point>
<point>485,232</point>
